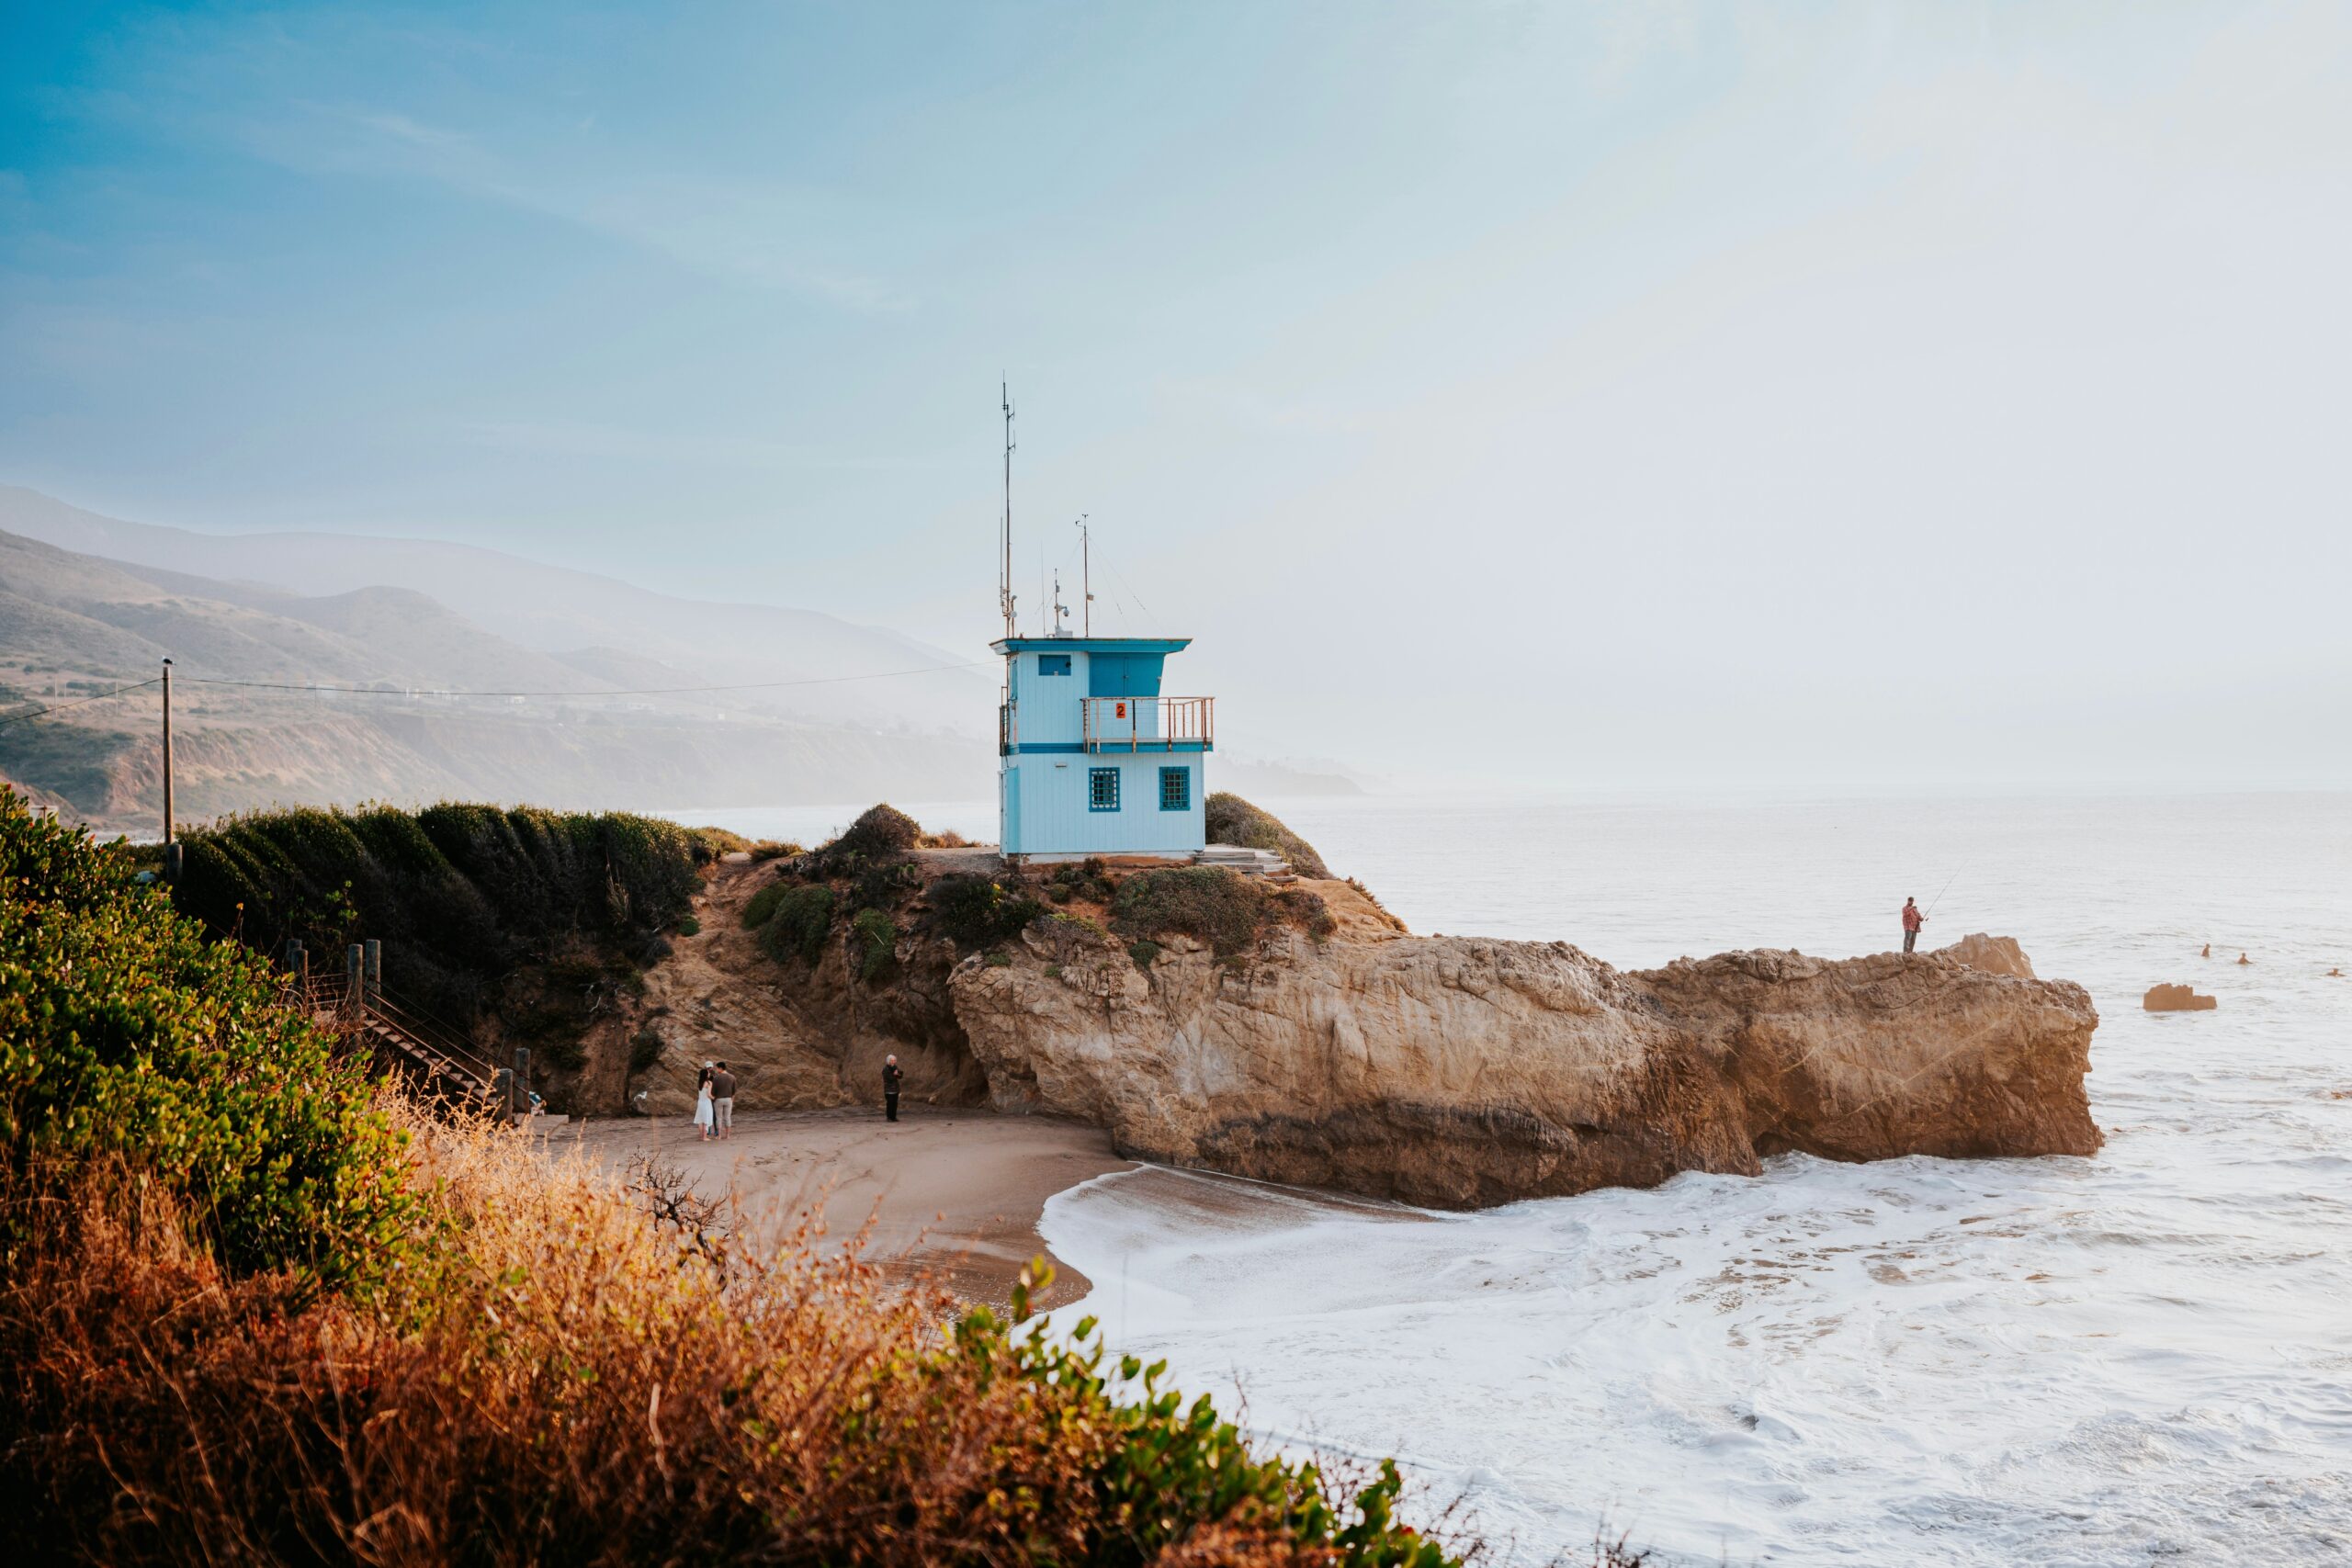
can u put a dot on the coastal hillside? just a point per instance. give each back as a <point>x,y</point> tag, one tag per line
<point>287,699</point>
<point>554,611</point>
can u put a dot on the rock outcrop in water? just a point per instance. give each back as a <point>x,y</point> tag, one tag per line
<point>2176,999</point>
<point>1459,1072</point>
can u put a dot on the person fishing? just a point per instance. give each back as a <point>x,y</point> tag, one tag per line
<point>891,1077</point>
<point>1912,920</point>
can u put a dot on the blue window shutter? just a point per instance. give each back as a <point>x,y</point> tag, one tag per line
<point>1101,789</point>
<point>1053,664</point>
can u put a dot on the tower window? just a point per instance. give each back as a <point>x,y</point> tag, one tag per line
<point>1053,664</point>
<point>1101,789</point>
<point>1175,789</point>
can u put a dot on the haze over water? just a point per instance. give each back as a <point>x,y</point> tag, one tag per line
<point>2121,1360</point>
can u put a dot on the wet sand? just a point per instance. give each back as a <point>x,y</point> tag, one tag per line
<point>951,1193</point>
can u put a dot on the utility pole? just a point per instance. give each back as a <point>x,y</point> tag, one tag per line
<point>167,754</point>
<point>1086,577</point>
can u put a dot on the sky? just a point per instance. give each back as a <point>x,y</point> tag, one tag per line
<point>1610,396</point>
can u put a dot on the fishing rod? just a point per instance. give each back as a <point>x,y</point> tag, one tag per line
<point>1945,888</point>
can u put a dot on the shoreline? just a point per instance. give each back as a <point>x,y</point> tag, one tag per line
<point>951,1194</point>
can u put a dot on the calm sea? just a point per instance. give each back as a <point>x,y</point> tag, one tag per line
<point>2141,1356</point>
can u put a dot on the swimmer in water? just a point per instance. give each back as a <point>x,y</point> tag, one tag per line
<point>2243,959</point>
<point>2208,952</point>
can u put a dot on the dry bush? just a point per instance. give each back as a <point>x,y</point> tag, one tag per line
<point>588,1369</point>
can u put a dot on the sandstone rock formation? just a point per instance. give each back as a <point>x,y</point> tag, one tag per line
<point>2176,999</point>
<point>1994,955</point>
<point>1447,1071</point>
<point>1458,1072</point>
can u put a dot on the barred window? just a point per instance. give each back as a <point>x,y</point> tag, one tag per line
<point>1175,789</point>
<point>1102,789</point>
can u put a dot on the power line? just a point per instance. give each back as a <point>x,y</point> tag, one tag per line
<point>639,692</point>
<point>61,707</point>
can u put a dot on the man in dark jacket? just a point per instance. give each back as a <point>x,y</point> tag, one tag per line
<point>1912,922</point>
<point>890,1076</point>
<point>722,1101</point>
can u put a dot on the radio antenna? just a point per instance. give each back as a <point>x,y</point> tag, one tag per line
<point>1004,573</point>
<point>1086,578</point>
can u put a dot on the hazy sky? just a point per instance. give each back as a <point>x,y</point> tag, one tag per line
<point>1609,394</point>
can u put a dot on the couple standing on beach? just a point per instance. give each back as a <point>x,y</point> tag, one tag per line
<point>714,1101</point>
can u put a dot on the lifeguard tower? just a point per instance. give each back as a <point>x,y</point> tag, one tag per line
<point>1092,758</point>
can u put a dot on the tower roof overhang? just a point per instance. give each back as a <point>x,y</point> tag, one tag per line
<point>1091,644</point>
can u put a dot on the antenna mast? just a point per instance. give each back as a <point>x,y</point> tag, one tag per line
<point>1004,575</point>
<point>1086,576</point>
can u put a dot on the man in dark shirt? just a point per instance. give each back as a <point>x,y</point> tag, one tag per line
<point>890,1076</point>
<point>722,1101</point>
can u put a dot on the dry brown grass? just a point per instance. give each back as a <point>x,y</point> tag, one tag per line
<point>573,1378</point>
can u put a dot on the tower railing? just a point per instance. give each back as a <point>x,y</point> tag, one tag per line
<point>1147,724</point>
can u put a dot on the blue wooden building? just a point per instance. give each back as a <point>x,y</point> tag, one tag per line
<point>1093,759</point>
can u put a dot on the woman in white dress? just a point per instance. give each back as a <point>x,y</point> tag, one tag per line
<point>702,1103</point>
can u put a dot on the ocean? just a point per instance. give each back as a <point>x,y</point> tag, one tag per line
<point>2145,1356</point>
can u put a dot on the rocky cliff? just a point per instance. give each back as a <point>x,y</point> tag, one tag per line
<point>1446,1071</point>
<point>1457,1072</point>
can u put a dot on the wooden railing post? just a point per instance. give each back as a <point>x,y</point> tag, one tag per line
<point>372,969</point>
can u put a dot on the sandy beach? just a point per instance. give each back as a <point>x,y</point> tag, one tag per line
<point>954,1194</point>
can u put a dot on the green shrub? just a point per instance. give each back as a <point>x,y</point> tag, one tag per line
<point>875,936</point>
<point>463,897</point>
<point>996,958</point>
<point>881,883</point>
<point>1144,951</point>
<point>124,1032</point>
<point>1230,820</point>
<point>1060,892</point>
<point>881,833</point>
<point>689,925</point>
<point>1207,903</point>
<point>763,903</point>
<point>978,911</point>
<point>796,929</point>
<point>644,1049</point>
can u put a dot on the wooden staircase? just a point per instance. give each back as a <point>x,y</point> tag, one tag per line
<point>434,1056</point>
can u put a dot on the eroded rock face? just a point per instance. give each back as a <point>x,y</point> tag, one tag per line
<point>1994,955</point>
<point>1457,1072</point>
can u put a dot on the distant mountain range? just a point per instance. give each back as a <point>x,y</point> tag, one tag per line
<point>612,631</point>
<point>262,627</point>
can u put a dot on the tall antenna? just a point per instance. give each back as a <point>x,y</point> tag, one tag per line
<point>1086,578</point>
<point>1004,576</point>
<point>1061,611</point>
